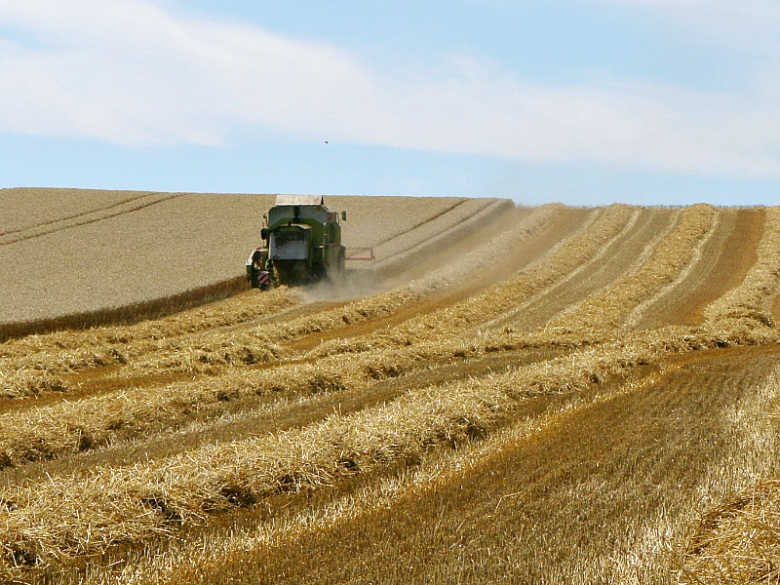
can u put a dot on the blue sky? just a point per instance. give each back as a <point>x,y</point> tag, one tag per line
<point>581,101</point>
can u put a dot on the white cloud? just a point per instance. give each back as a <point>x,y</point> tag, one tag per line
<point>133,72</point>
<point>746,25</point>
<point>128,72</point>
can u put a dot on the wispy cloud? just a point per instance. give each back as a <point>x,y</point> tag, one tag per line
<point>747,25</point>
<point>135,72</point>
<point>130,72</point>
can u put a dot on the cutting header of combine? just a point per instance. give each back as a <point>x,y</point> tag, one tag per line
<point>302,243</point>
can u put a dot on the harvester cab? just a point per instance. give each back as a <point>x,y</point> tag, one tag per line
<point>301,243</point>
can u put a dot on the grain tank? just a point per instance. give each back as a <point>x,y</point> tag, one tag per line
<point>301,243</point>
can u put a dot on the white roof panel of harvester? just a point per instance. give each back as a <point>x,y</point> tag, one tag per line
<point>300,200</point>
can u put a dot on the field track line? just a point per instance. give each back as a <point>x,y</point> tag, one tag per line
<point>752,301</point>
<point>641,310</point>
<point>90,220</point>
<point>448,236</point>
<point>428,264</point>
<point>649,248</point>
<point>584,478</point>
<point>417,302</point>
<point>564,239</point>
<point>542,298</point>
<point>315,514</point>
<point>71,363</point>
<point>569,315</point>
<point>494,295</point>
<point>318,447</point>
<point>612,265</point>
<point>725,262</point>
<point>303,309</point>
<point>74,216</point>
<point>10,330</point>
<point>611,470</point>
<point>506,266</point>
<point>418,225</point>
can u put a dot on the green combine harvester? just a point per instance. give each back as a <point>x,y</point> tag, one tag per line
<point>302,243</point>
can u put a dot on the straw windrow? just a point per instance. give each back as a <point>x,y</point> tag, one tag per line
<point>608,308</point>
<point>118,504</point>
<point>113,505</point>
<point>226,407</point>
<point>750,304</point>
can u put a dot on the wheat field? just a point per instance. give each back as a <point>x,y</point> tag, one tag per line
<point>505,395</point>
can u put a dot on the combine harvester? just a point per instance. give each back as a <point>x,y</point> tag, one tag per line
<point>302,244</point>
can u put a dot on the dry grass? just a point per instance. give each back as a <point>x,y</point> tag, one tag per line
<point>112,505</point>
<point>630,449</point>
<point>72,426</point>
<point>610,307</point>
<point>202,559</point>
<point>127,314</point>
<point>234,311</point>
<point>738,541</point>
<point>738,537</point>
<point>119,352</point>
<point>196,353</point>
<point>574,249</point>
<point>129,504</point>
<point>750,304</point>
<point>87,423</point>
<point>674,281</point>
<point>384,304</point>
<point>164,346</point>
<point>471,263</point>
<point>38,363</point>
<point>735,538</point>
<point>551,498</point>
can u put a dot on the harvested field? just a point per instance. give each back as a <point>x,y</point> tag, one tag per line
<point>517,395</point>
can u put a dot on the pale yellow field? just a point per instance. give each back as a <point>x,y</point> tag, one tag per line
<point>66,252</point>
<point>521,395</point>
<point>25,210</point>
